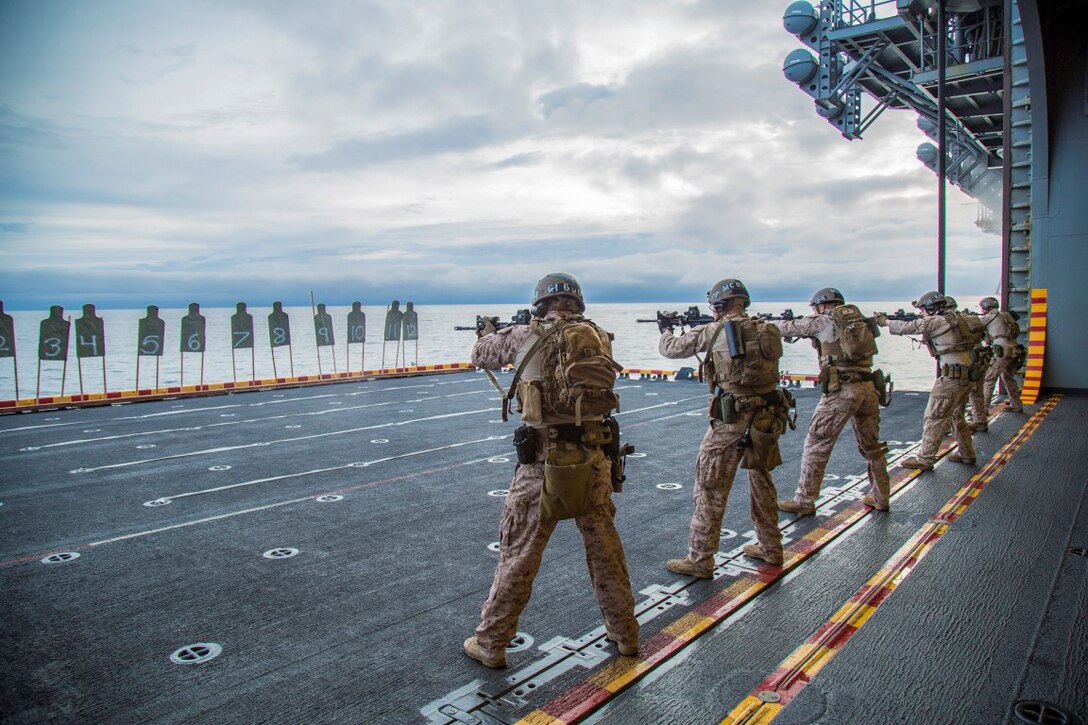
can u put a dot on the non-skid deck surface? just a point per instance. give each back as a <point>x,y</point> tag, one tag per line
<point>391,491</point>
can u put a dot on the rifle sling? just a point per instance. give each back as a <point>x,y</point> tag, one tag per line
<point>521,368</point>
<point>710,350</point>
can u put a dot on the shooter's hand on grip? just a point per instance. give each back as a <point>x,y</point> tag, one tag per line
<point>485,325</point>
<point>665,321</point>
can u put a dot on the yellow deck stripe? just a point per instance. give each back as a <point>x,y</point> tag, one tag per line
<point>1033,377</point>
<point>811,657</point>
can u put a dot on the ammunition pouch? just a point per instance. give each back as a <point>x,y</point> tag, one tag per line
<point>959,372</point>
<point>525,444</point>
<point>1021,356</point>
<point>568,483</point>
<point>973,373</point>
<point>723,407</point>
<point>530,401</point>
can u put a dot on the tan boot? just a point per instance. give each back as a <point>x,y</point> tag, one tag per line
<point>980,427</point>
<point>916,463</point>
<point>796,507</point>
<point>869,501</point>
<point>476,652</point>
<point>958,458</point>
<point>627,649</point>
<point>756,552</point>
<point>684,566</point>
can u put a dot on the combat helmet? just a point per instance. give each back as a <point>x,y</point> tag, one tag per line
<point>725,290</point>
<point>554,285</point>
<point>827,294</point>
<point>931,301</point>
<point>950,303</point>
<point>989,303</point>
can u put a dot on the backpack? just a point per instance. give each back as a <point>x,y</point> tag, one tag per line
<point>857,340</point>
<point>577,374</point>
<point>1012,327</point>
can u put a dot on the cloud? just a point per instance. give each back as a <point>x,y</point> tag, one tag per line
<point>157,152</point>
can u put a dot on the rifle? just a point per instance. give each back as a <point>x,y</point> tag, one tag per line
<point>523,317</point>
<point>691,318</point>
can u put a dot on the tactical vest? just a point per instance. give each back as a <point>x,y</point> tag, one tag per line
<point>851,340</point>
<point>960,333</point>
<point>565,373</point>
<point>751,367</point>
<point>1001,325</point>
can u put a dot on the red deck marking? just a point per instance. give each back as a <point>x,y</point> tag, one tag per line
<point>721,605</point>
<point>1036,347</point>
<point>808,659</point>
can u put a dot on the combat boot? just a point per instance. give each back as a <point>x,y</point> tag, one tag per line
<point>476,652</point>
<point>980,427</point>
<point>869,501</point>
<point>627,649</point>
<point>958,458</point>
<point>1016,407</point>
<point>684,566</point>
<point>756,552</point>
<point>796,507</point>
<point>916,463</point>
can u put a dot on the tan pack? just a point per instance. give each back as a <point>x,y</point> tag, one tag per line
<point>856,343</point>
<point>577,374</point>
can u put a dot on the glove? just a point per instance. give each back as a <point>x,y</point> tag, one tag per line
<point>664,322</point>
<point>881,319</point>
<point>486,328</point>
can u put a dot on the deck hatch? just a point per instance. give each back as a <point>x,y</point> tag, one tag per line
<point>1038,711</point>
<point>195,654</point>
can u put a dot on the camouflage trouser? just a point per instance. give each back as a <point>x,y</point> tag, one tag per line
<point>859,403</point>
<point>522,538</point>
<point>1004,368</point>
<point>979,398</point>
<point>715,467</point>
<point>946,405</point>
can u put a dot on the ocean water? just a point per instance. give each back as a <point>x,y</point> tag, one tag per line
<point>635,346</point>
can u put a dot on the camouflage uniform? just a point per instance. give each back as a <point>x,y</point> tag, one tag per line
<point>950,390</point>
<point>854,400</point>
<point>1003,367</point>
<point>716,465</point>
<point>979,402</point>
<point>523,535</point>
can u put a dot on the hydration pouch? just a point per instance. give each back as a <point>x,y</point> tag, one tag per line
<point>973,373</point>
<point>568,483</point>
<point>999,351</point>
<point>525,443</point>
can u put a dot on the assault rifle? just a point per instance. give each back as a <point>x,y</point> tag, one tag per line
<point>523,317</point>
<point>691,318</point>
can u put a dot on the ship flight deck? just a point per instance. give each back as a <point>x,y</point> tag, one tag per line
<point>319,554</point>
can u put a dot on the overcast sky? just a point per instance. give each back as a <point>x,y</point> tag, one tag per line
<point>163,152</point>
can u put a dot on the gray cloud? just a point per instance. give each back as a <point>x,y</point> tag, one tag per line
<point>157,152</point>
